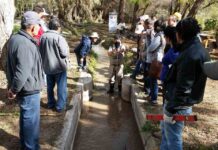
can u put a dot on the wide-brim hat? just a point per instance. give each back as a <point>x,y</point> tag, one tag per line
<point>44,13</point>
<point>94,35</point>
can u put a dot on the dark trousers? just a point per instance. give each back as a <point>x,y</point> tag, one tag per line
<point>81,64</point>
<point>61,80</point>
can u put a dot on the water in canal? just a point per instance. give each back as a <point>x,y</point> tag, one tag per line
<point>107,122</point>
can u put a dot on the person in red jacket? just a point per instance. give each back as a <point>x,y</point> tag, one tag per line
<point>42,15</point>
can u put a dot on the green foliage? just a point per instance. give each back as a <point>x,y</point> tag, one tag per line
<point>92,62</point>
<point>210,24</point>
<point>128,61</point>
<point>16,28</point>
<point>150,127</point>
<point>107,43</point>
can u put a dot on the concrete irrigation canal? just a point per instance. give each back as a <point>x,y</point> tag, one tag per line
<point>106,122</point>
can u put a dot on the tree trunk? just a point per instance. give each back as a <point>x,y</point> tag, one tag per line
<point>195,8</point>
<point>121,11</point>
<point>134,16</point>
<point>7,11</point>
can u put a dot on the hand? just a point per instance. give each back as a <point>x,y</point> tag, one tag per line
<point>169,119</point>
<point>11,95</point>
<point>81,59</point>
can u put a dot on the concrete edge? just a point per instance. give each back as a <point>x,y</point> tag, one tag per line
<point>84,92</point>
<point>149,142</point>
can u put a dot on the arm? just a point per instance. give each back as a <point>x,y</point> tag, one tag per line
<point>110,52</point>
<point>155,43</point>
<point>23,69</point>
<point>63,47</point>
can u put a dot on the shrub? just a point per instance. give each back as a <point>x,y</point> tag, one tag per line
<point>210,24</point>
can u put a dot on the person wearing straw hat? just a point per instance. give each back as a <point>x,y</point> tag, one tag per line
<point>84,48</point>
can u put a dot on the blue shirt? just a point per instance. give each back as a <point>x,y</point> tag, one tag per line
<point>168,59</point>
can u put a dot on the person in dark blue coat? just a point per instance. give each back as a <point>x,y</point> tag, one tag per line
<point>84,48</point>
<point>171,54</point>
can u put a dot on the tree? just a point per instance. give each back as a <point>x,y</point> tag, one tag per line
<point>7,12</point>
<point>121,11</point>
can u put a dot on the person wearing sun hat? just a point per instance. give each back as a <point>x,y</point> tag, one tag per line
<point>25,79</point>
<point>84,48</point>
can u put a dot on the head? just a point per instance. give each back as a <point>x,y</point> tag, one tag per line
<point>40,11</point>
<point>170,36</point>
<point>30,23</point>
<point>117,41</point>
<point>159,26</point>
<point>149,24</point>
<point>172,21</point>
<point>187,29</point>
<point>94,37</point>
<point>178,16</point>
<point>54,24</point>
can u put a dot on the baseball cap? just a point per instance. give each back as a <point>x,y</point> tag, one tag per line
<point>30,18</point>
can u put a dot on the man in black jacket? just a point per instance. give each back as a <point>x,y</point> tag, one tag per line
<point>185,82</point>
<point>25,79</point>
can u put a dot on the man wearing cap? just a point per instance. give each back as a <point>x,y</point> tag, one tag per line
<point>54,50</point>
<point>25,79</point>
<point>84,48</point>
<point>116,54</point>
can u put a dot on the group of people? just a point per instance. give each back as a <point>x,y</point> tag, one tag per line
<point>36,52</point>
<point>176,48</point>
<point>37,56</point>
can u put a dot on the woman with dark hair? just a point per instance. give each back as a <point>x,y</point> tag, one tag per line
<point>155,52</point>
<point>171,55</point>
<point>184,84</point>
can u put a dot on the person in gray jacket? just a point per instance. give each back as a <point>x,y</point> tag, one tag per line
<point>54,50</point>
<point>25,79</point>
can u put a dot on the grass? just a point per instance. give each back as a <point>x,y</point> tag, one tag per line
<point>92,63</point>
<point>150,127</point>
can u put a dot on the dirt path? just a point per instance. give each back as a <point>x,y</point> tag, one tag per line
<point>107,123</point>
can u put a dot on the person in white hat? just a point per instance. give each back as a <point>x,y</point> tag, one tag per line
<point>43,26</point>
<point>84,48</point>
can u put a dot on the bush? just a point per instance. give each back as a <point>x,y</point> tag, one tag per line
<point>92,62</point>
<point>210,24</point>
<point>107,43</point>
<point>150,127</point>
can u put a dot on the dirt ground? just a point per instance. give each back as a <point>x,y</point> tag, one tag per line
<point>51,122</point>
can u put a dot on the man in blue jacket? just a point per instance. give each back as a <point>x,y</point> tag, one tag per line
<point>25,79</point>
<point>84,48</point>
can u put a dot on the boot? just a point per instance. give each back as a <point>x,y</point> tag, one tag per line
<point>120,88</point>
<point>111,90</point>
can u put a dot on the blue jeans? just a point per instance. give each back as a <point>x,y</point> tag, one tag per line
<point>137,68</point>
<point>61,80</point>
<point>29,121</point>
<point>172,133</point>
<point>154,89</point>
